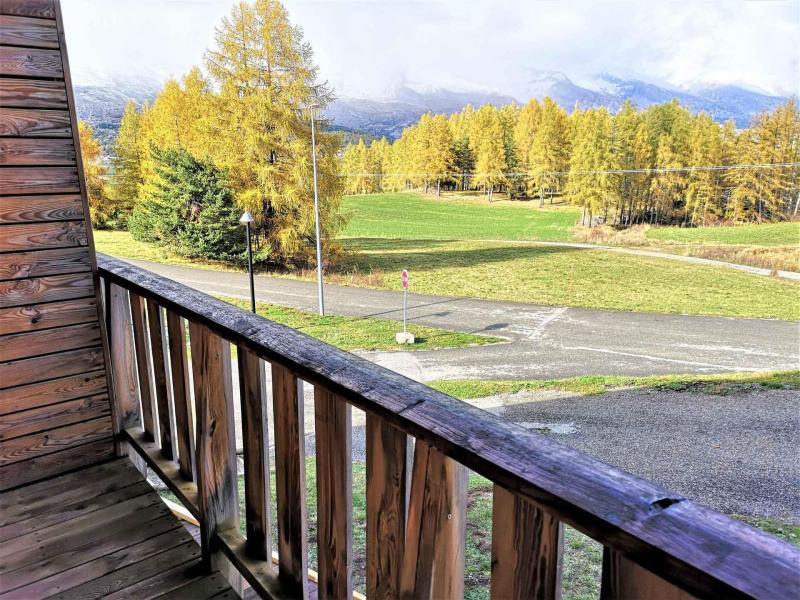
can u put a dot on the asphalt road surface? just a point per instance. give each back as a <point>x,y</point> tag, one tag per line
<point>543,341</point>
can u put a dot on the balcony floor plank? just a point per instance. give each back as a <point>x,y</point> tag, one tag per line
<point>97,532</point>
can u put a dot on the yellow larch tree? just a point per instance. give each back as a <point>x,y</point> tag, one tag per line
<point>102,209</point>
<point>549,153</point>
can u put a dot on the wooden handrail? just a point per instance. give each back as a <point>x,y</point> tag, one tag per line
<point>689,546</point>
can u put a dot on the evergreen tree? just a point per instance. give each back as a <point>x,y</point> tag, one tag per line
<point>463,157</point>
<point>509,117</point>
<point>191,210</point>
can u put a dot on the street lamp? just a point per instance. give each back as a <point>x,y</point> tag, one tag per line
<point>247,218</point>
<point>320,293</point>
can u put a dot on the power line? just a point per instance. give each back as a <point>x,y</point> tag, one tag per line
<point>648,171</point>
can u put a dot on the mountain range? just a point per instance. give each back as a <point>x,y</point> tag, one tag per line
<point>101,103</point>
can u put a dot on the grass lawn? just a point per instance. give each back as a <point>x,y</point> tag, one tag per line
<point>768,234</point>
<point>568,277</point>
<point>722,383</point>
<point>351,333</point>
<point>413,216</point>
<point>432,242</point>
<point>122,245</point>
<point>583,557</point>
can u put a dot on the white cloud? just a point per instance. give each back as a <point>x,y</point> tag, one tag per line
<point>366,47</point>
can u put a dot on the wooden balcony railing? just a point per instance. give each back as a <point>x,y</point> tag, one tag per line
<point>657,544</point>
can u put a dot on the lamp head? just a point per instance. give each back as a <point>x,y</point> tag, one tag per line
<point>246,217</point>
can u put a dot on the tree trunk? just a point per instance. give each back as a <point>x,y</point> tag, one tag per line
<point>583,216</point>
<point>541,196</point>
<point>438,188</point>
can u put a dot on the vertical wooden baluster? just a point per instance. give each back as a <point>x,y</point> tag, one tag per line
<point>623,579</point>
<point>290,481</point>
<point>156,329</point>
<point>123,359</point>
<point>433,556</point>
<point>334,494</point>
<point>255,435</point>
<point>216,438</point>
<point>179,366</point>
<point>142,364</point>
<point>387,449</point>
<point>106,283</point>
<point>526,549</point>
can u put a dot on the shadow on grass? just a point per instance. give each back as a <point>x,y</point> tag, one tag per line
<point>416,255</point>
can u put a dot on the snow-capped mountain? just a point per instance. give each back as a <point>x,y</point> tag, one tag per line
<point>721,102</point>
<point>101,103</point>
<point>403,106</point>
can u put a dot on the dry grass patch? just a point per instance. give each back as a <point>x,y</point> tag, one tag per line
<point>775,258</point>
<point>774,246</point>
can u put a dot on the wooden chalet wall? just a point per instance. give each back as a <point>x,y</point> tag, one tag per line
<point>54,403</point>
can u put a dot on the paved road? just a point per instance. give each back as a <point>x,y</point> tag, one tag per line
<point>543,341</point>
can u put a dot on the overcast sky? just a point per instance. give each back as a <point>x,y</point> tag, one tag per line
<point>364,48</point>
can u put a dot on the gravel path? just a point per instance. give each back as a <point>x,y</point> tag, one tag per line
<point>737,453</point>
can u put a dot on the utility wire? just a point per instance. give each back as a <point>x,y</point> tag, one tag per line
<point>648,171</point>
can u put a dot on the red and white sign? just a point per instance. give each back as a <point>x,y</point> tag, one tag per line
<point>404,279</point>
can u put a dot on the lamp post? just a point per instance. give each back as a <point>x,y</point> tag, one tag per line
<point>320,292</point>
<point>247,218</point>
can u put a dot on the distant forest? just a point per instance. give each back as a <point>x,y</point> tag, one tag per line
<point>659,165</point>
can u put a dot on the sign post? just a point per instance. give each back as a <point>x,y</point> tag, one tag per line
<point>404,281</point>
<point>404,337</point>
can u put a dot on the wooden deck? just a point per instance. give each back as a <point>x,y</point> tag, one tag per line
<point>100,532</point>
